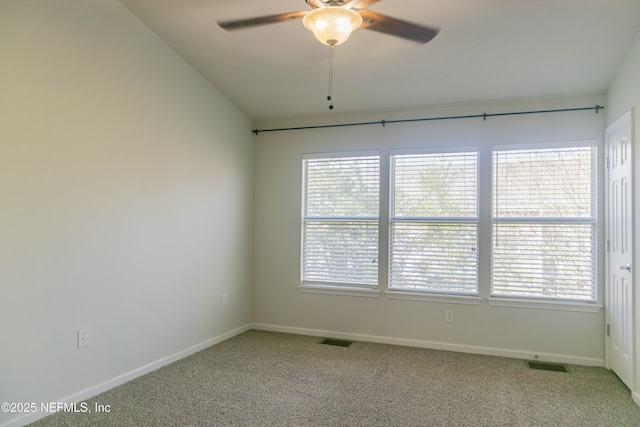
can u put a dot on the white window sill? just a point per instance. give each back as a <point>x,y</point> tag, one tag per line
<point>434,297</point>
<point>339,290</point>
<point>585,307</point>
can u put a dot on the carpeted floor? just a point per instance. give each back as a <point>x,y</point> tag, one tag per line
<point>271,379</point>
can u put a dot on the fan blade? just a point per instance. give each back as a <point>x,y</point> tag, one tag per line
<point>260,20</point>
<point>316,3</point>
<point>395,27</point>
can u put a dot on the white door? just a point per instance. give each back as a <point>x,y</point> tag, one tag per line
<point>619,283</point>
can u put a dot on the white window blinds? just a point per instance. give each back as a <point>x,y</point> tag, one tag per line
<point>434,222</point>
<point>340,220</point>
<point>544,223</point>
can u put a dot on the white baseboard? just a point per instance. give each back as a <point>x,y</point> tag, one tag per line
<point>119,380</point>
<point>636,397</point>
<point>490,351</point>
<point>434,345</point>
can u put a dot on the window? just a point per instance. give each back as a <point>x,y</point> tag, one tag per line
<point>433,222</point>
<point>544,222</point>
<point>541,232</point>
<point>340,224</point>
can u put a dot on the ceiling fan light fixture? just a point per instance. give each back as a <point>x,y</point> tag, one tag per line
<point>332,25</point>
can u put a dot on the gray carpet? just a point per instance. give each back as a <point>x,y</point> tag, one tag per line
<point>271,379</point>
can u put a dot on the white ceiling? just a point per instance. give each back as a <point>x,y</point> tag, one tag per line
<point>486,50</point>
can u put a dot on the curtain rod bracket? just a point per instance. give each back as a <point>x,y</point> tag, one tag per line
<point>383,122</point>
<point>484,117</point>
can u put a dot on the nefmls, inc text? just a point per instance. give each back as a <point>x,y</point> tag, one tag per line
<point>82,407</point>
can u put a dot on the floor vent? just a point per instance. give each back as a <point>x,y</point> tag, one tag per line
<point>555,367</point>
<point>338,343</point>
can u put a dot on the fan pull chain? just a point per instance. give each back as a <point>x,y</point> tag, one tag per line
<point>329,97</point>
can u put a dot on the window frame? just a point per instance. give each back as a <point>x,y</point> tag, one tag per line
<point>338,287</point>
<point>431,294</point>
<point>485,176</point>
<point>552,302</point>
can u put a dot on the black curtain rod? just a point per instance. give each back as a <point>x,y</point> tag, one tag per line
<point>484,116</point>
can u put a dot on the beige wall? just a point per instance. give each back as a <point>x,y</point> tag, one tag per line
<point>518,332</point>
<point>126,201</point>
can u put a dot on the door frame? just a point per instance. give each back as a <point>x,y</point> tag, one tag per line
<point>628,116</point>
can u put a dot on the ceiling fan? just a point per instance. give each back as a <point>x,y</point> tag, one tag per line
<point>332,21</point>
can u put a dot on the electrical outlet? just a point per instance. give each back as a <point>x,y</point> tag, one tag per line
<point>223,299</point>
<point>448,316</point>
<point>83,338</point>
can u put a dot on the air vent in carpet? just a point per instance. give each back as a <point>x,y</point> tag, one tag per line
<point>339,343</point>
<point>555,367</point>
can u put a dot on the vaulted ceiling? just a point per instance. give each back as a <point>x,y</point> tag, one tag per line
<point>485,50</point>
